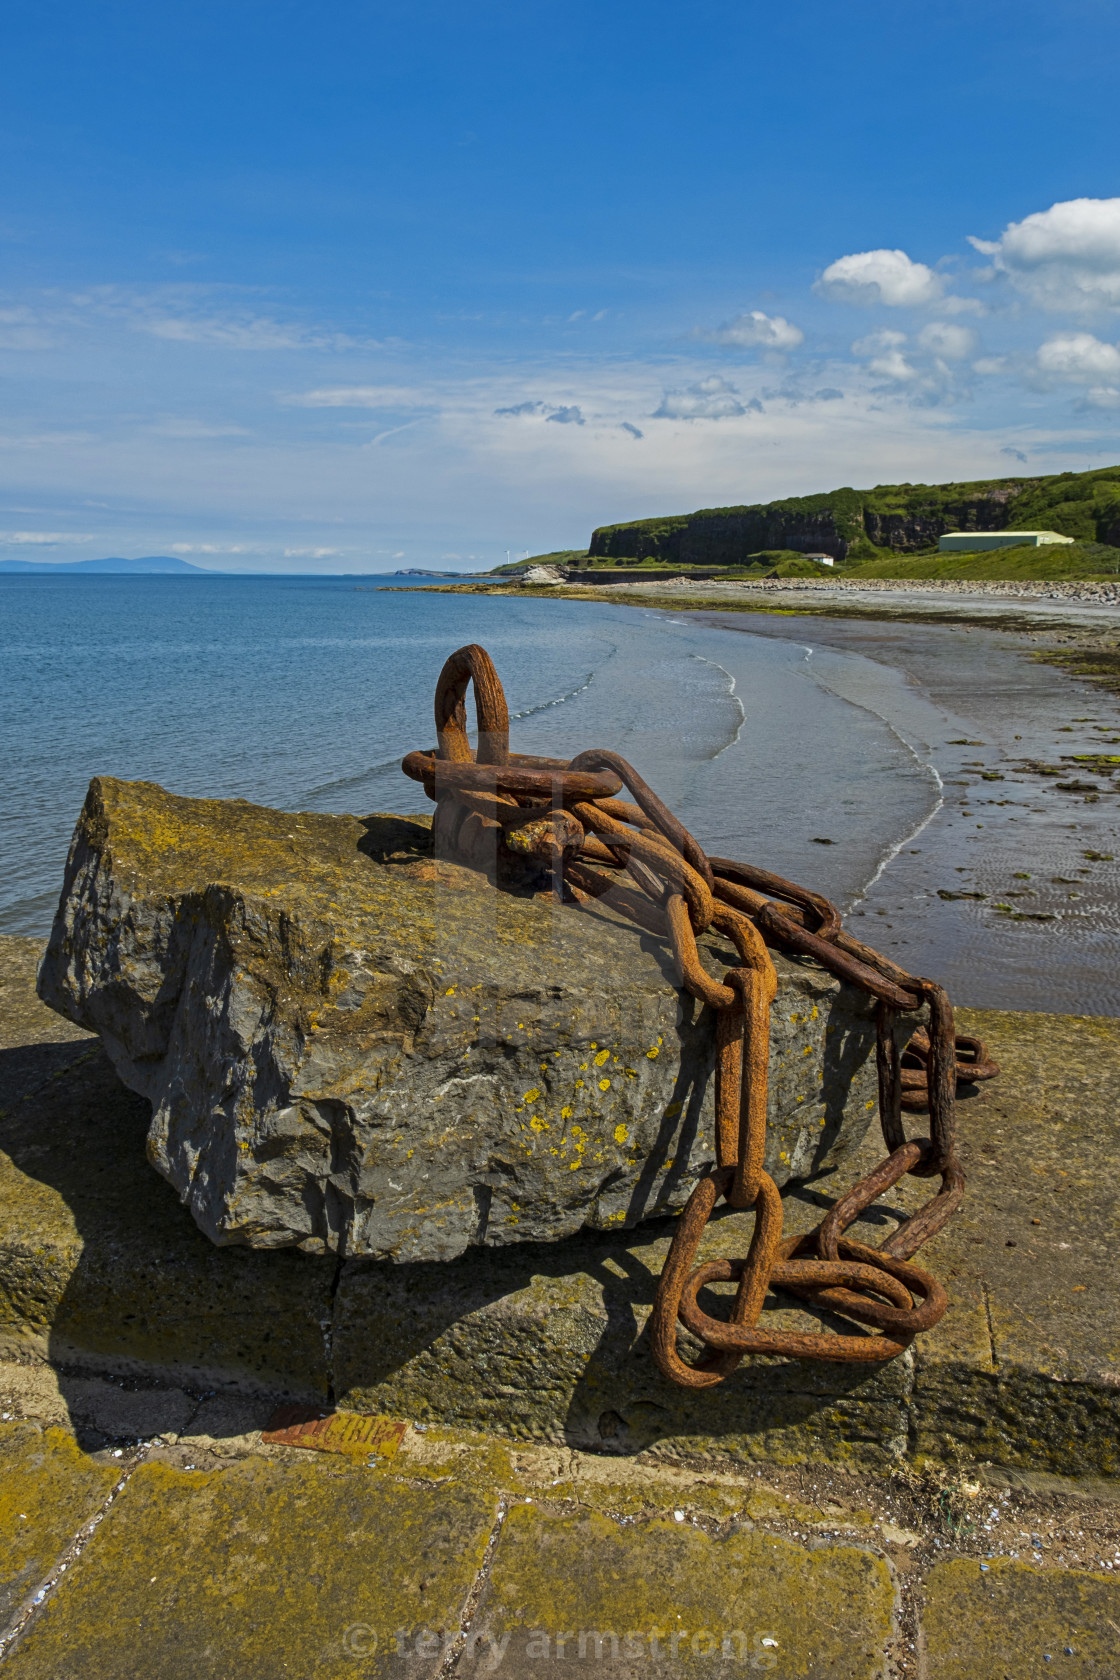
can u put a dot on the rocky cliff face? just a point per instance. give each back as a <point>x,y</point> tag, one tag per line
<point>836,524</point>
<point>854,524</point>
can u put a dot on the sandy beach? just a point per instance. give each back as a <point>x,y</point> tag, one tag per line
<point>1009,891</point>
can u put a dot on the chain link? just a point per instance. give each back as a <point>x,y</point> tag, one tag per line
<point>567,814</point>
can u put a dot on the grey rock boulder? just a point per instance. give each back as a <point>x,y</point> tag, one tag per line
<point>349,1046</point>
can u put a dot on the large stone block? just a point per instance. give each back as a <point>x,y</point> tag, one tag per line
<point>350,1046</point>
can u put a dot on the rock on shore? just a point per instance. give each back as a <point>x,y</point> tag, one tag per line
<point>349,1046</point>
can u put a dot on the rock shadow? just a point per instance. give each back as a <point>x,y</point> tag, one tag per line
<point>105,1277</point>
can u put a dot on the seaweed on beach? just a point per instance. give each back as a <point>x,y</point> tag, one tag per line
<point>1100,664</point>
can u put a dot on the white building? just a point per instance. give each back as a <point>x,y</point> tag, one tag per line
<point>824,559</point>
<point>965,542</point>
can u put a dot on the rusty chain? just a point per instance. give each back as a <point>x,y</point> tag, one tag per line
<point>567,814</point>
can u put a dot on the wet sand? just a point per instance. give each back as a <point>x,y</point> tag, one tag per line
<point>1010,893</point>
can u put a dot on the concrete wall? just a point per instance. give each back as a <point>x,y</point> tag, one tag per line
<point>973,541</point>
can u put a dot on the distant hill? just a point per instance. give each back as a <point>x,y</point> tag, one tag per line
<point>153,563</point>
<point>858,526</point>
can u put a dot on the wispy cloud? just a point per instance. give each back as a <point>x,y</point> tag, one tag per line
<point>885,358</point>
<point>392,432</point>
<point>952,343</point>
<point>208,316</point>
<point>564,414</point>
<point>754,330</point>
<point>360,396</point>
<point>214,548</point>
<point>23,329</point>
<point>246,332</point>
<point>173,427</point>
<point>43,539</point>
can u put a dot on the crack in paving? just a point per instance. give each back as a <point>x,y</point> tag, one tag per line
<point>461,1641</point>
<point>32,1605</point>
<point>991,1329</point>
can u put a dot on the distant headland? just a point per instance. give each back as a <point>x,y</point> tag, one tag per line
<point>157,565</point>
<point>891,531</point>
<point>151,564</point>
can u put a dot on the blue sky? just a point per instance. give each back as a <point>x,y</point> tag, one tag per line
<point>358,286</point>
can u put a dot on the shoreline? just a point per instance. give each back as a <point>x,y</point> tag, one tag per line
<point>1009,891</point>
<point>1063,611</point>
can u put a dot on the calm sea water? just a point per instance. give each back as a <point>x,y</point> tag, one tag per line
<point>304,693</point>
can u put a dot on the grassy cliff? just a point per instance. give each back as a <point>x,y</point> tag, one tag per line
<point>858,527</point>
<point>1067,560</point>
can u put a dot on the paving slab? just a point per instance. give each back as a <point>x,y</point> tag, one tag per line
<point>1004,1621</point>
<point>49,1488</point>
<point>1030,1259</point>
<point>101,1267</point>
<point>263,1569</point>
<point>467,1556</point>
<point>664,1598</point>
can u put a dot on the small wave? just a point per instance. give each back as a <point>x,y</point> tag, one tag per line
<point>343,783</point>
<point>892,851</point>
<point>731,695</point>
<point>926,765</point>
<point>547,705</point>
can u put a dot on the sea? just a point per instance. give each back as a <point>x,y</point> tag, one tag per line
<point>818,762</point>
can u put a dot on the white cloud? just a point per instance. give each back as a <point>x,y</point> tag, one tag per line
<point>391,431</point>
<point>192,314</point>
<point>889,277</point>
<point>200,429</point>
<point>1101,396</point>
<point>563,414</point>
<point>45,539</point>
<point>239,333</point>
<point>1079,359</point>
<point>754,330</point>
<point>360,396</point>
<point>709,399</point>
<point>22,330</point>
<point>953,343</point>
<point>310,553</point>
<point>951,304</point>
<point>989,365</point>
<point>213,548</point>
<point>1067,257</point>
<point>885,351</point>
